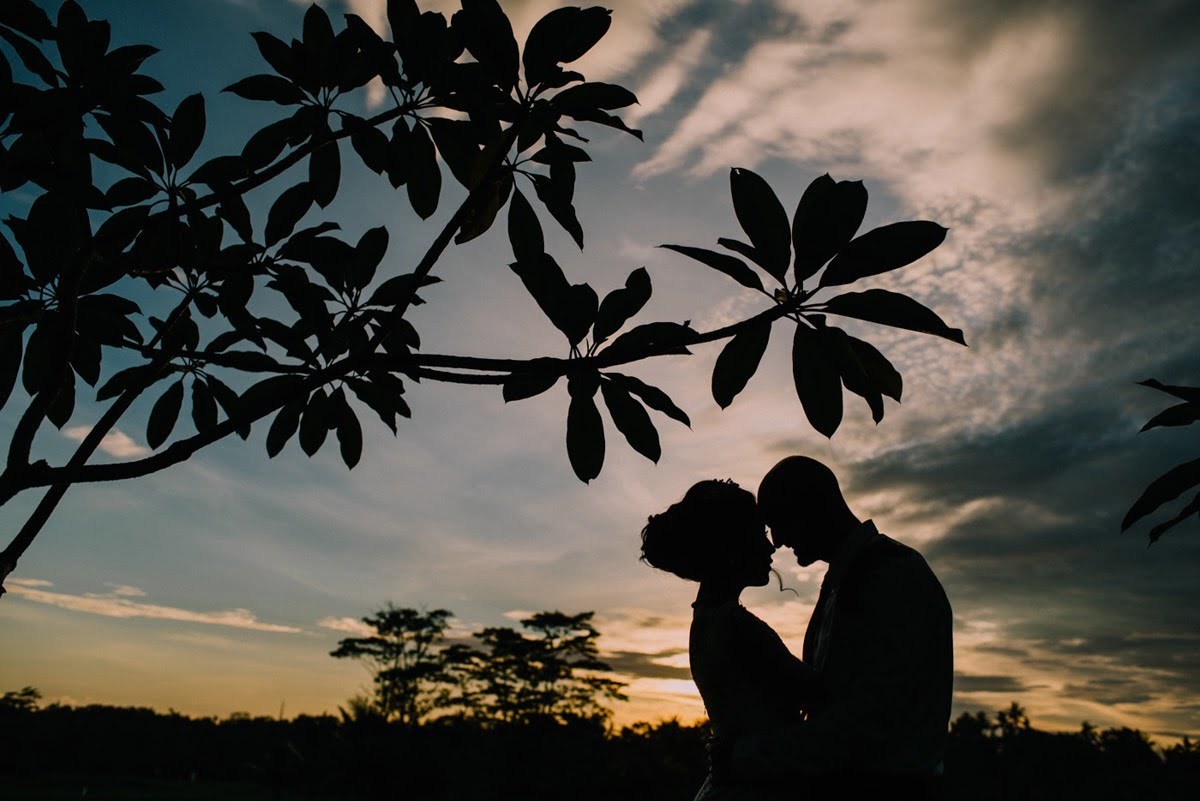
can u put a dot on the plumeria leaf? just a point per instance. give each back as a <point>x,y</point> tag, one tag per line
<point>762,217</point>
<point>826,219</point>
<point>889,308</point>
<point>882,250</point>
<point>1163,489</point>
<point>738,362</point>
<point>585,429</point>
<point>733,267</point>
<point>632,420</point>
<point>818,382</point>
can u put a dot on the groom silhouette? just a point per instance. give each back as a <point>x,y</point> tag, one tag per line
<point>880,640</point>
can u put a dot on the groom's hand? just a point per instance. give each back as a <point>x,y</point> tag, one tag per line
<point>720,752</point>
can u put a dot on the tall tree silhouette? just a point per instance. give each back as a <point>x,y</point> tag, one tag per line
<point>405,658</point>
<point>550,674</point>
<point>282,318</point>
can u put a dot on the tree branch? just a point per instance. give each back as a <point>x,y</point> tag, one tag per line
<point>183,449</point>
<point>77,470</point>
<point>290,160</point>
<point>60,479</point>
<point>228,359</point>
<point>492,379</point>
<point>55,478</point>
<point>550,364</point>
<point>417,366</point>
<point>22,441</point>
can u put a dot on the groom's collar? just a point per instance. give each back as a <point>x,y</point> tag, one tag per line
<point>848,551</point>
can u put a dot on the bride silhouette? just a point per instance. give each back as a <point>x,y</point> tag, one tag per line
<point>750,683</point>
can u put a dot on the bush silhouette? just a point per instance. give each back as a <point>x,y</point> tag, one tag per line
<point>129,753</point>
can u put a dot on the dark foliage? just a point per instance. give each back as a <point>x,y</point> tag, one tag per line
<point>286,319</point>
<point>1004,757</point>
<point>1175,482</point>
<point>63,749</point>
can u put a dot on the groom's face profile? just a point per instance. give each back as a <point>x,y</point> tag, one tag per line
<point>786,531</point>
<point>802,503</point>
<point>789,531</point>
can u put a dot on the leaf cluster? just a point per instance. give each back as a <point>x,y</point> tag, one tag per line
<point>821,237</point>
<point>1180,479</point>
<point>187,229</point>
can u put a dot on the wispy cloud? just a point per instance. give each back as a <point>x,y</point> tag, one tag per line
<point>518,614</point>
<point>115,443</point>
<point>117,604</point>
<point>969,683</point>
<point>665,82</point>
<point>873,89</point>
<point>125,590</point>
<point>27,582</point>
<point>348,625</point>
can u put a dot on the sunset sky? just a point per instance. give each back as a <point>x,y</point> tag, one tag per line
<point>1057,141</point>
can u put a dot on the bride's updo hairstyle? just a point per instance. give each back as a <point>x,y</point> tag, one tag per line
<point>695,537</point>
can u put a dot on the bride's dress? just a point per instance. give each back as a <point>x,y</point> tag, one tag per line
<point>749,681</point>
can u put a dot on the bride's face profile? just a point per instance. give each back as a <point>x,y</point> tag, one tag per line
<point>750,555</point>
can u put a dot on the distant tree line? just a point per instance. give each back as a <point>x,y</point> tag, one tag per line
<point>54,751</point>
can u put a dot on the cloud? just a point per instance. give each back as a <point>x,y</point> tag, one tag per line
<point>125,590</point>
<point>27,582</point>
<point>944,98</point>
<point>657,90</point>
<point>349,625</point>
<point>649,666</point>
<point>1112,691</point>
<point>988,684</point>
<point>115,443</point>
<point>117,604</point>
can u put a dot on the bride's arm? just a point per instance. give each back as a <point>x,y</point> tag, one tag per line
<point>798,681</point>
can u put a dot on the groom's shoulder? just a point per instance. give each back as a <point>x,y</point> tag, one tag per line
<point>888,558</point>
<point>886,552</point>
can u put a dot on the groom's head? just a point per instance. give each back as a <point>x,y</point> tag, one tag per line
<point>802,503</point>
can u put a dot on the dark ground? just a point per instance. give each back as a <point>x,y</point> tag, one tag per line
<point>126,754</point>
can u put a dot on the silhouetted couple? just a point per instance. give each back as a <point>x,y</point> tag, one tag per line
<point>868,705</point>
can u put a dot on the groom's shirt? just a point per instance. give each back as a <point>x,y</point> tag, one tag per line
<point>880,639</point>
